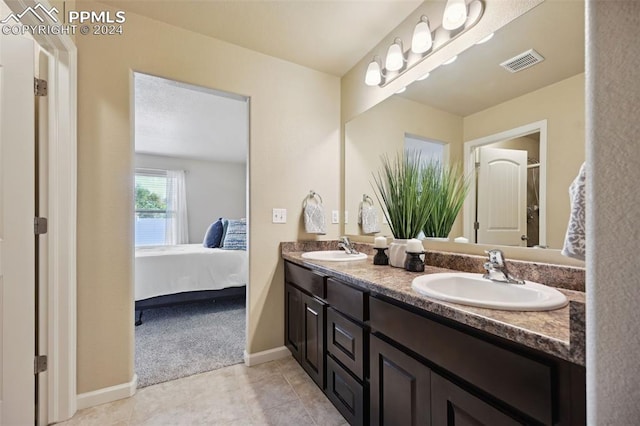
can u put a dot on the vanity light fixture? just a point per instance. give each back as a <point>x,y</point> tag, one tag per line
<point>450,61</point>
<point>426,40</point>
<point>422,40</point>
<point>455,14</point>
<point>374,72</point>
<point>424,77</point>
<point>395,56</point>
<point>486,39</point>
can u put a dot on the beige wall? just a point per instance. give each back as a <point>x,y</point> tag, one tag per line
<point>294,147</point>
<point>563,106</point>
<point>613,209</point>
<point>381,130</point>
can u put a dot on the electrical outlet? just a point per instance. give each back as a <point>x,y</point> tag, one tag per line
<point>279,216</point>
<point>335,216</point>
<point>346,216</point>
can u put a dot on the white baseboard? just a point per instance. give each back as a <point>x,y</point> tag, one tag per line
<point>110,394</point>
<point>266,356</point>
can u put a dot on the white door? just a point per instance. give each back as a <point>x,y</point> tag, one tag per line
<point>17,275</point>
<point>502,197</point>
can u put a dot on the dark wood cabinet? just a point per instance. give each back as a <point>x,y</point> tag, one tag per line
<point>293,320</point>
<point>383,362</point>
<point>304,319</point>
<point>399,387</point>
<point>312,356</point>
<point>453,406</point>
<point>304,331</point>
<point>346,342</point>
<point>346,393</point>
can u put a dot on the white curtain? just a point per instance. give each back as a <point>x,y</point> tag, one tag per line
<point>177,231</point>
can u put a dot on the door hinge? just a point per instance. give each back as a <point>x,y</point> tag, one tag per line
<point>476,225</point>
<point>40,364</point>
<point>40,225</point>
<point>40,87</point>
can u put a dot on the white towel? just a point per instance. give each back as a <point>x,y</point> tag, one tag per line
<point>314,222</point>
<point>368,218</point>
<point>574,241</point>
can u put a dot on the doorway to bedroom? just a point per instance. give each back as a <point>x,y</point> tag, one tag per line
<point>191,257</point>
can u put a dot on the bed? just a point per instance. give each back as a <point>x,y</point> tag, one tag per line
<point>166,275</point>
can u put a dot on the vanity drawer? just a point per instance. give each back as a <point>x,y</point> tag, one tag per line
<point>515,379</point>
<point>348,300</point>
<point>306,279</point>
<point>345,392</point>
<point>345,341</point>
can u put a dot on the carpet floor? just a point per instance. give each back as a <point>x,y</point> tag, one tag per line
<point>182,340</point>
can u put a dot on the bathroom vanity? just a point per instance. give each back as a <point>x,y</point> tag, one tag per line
<point>383,354</point>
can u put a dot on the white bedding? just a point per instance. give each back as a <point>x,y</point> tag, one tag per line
<point>162,270</point>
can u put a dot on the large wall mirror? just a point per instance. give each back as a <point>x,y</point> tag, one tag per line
<point>477,113</point>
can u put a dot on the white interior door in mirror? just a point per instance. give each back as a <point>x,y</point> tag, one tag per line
<point>502,197</point>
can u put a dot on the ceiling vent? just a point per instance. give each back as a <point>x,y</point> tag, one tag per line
<point>522,61</point>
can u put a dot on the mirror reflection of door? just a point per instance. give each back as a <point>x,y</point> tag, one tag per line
<point>508,188</point>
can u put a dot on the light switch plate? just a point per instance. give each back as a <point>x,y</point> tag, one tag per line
<point>335,216</point>
<point>279,216</point>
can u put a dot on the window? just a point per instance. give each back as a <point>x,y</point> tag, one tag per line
<point>151,207</point>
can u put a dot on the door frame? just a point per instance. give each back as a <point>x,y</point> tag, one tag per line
<point>60,307</point>
<point>469,167</point>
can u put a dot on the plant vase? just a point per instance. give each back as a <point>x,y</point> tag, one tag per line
<point>397,253</point>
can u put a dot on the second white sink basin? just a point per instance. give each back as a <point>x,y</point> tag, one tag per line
<point>333,256</point>
<point>474,290</point>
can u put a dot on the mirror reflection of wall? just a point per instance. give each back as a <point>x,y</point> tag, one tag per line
<point>475,98</point>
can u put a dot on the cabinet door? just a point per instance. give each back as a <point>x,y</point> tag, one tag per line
<point>400,387</point>
<point>293,320</point>
<point>346,393</point>
<point>453,406</point>
<point>313,356</point>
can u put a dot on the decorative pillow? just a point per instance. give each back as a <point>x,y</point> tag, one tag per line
<point>213,236</point>
<point>236,235</point>
<point>225,225</point>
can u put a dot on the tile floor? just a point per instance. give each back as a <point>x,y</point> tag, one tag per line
<point>275,393</point>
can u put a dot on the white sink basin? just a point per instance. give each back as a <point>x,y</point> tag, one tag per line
<point>473,290</point>
<point>333,256</point>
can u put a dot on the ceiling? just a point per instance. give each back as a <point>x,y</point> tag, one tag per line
<point>182,120</point>
<point>476,81</point>
<point>326,35</point>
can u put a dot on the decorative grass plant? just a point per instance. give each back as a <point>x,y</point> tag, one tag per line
<point>399,190</point>
<point>446,187</point>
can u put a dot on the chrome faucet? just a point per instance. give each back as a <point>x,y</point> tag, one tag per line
<point>345,244</point>
<point>497,270</point>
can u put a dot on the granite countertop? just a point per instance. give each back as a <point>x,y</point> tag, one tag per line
<point>559,333</point>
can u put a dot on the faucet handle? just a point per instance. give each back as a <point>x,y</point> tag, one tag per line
<point>496,257</point>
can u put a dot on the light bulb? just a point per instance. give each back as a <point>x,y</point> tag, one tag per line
<point>395,57</point>
<point>455,14</point>
<point>424,77</point>
<point>422,40</point>
<point>404,89</point>
<point>373,77</point>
